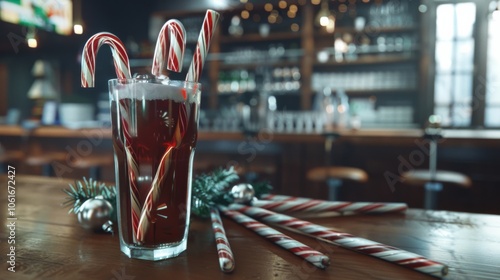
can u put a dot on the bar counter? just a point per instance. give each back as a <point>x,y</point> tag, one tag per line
<point>284,158</point>
<point>50,244</point>
<point>370,134</point>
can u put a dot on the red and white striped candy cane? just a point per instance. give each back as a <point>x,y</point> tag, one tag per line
<point>89,54</point>
<point>132,172</point>
<point>307,253</point>
<point>202,46</point>
<point>226,257</point>
<point>152,198</point>
<point>291,204</point>
<point>169,48</point>
<point>346,240</point>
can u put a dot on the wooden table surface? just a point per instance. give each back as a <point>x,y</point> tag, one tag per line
<point>50,244</point>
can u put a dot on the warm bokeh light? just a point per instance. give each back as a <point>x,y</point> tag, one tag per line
<point>271,19</point>
<point>245,14</point>
<point>291,14</point>
<point>78,29</point>
<point>323,21</point>
<point>342,8</point>
<point>32,43</point>
<point>295,27</point>
<point>293,8</point>
<point>315,2</point>
<point>268,7</point>
<point>249,6</point>
<point>282,4</point>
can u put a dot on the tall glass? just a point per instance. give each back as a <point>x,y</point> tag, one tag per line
<point>155,129</point>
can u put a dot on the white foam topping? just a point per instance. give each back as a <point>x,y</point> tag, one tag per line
<point>155,91</point>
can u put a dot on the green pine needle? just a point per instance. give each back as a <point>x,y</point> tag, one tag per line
<point>208,190</point>
<point>212,189</point>
<point>82,191</point>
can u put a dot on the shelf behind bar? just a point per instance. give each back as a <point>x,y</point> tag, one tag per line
<point>277,36</point>
<point>370,59</point>
<point>369,30</point>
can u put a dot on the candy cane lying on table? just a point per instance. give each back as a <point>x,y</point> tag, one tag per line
<point>226,257</point>
<point>307,253</point>
<point>346,240</point>
<point>290,204</point>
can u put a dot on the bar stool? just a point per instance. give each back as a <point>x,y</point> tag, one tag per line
<point>334,176</point>
<point>433,179</point>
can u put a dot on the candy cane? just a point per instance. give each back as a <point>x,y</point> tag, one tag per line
<point>307,253</point>
<point>281,203</point>
<point>202,46</point>
<point>170,51</point>
<point>153,195</point>
<point>120,57</point>
<point>226,258</point>
<point>132,172</point>
<point>346,240</point>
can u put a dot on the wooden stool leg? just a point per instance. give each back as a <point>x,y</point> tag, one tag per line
<point>432,189</point>
<point>333,188</point>
<point>47,170</point>
<point>95,173</point>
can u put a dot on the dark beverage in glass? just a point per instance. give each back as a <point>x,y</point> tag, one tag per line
<point>155,127</point>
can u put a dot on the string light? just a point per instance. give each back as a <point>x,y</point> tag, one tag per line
<point>323,14</point>
<point>31,38</point>
<point>78,29</point>
<point>77,20</point>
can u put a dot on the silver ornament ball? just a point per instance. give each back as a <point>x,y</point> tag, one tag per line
<point>94,213</point>
<point>242,193</point>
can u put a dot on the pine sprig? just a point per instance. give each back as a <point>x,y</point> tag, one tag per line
<point>82,191</point>
<point>261,188</point>
<point>208,190</point>
<point>212,189</point>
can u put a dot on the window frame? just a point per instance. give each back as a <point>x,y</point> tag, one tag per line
<point>428,64</point>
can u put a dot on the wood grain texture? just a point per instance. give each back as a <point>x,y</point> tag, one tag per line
<point>50,244</point>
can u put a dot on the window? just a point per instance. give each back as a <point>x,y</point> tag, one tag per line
<point>492,111</point>
<point>467,59</point>
<point>454,56</point>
